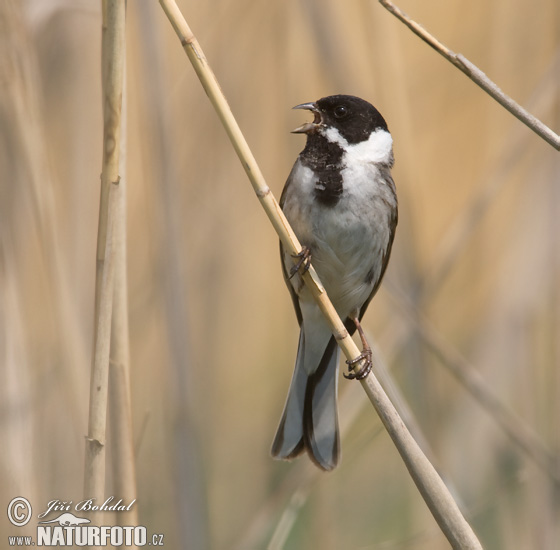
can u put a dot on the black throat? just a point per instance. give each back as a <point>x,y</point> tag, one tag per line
<point>325,159</point>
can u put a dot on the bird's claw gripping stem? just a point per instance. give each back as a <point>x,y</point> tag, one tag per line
<point>303,263</point>
<point>366,354</point>
<point>364,371</point>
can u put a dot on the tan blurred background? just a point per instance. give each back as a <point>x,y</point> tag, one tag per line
<point>212,332</point>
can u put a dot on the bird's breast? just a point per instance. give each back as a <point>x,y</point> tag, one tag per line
<point>347,239</point>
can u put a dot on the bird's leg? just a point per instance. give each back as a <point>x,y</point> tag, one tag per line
<point>366,354</point>
<point>304,261</point>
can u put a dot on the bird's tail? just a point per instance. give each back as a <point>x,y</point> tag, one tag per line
<point>310,418</point>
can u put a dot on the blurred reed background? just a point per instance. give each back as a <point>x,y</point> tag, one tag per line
<point>212,333</point>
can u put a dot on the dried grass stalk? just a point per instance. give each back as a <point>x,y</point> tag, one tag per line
<point>120,410</point>
<point>477,76</point>
<point>113,52</point>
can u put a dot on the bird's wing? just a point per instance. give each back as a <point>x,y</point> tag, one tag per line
<point>293,294</point>
<point>386,174</point>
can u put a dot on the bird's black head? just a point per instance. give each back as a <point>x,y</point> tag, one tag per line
<point>354,118</point>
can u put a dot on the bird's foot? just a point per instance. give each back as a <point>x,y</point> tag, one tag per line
<point>303,263</point>
<point>364,370</point>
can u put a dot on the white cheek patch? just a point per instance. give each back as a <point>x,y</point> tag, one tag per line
<point>377,148</point>
<point>333,135</point>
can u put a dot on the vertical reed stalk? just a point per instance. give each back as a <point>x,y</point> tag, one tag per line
<point>113,50</point>
<point>120,413</point>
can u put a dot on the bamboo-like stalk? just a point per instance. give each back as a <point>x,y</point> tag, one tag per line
<point>492,183</point>
<point>522,435</point>
<point>113,49</point>
<point>516,429</point>
<point>433,490</point>
<point>120,413</point>
<point>477,76</point>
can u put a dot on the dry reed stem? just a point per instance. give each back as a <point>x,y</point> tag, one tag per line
<point>120,410</point>
<point>467,374</point>
<point>456,238</point>
<point>433,490</point>
<point>460,232</point>
<point>477,76</point>
<point>288,519</point>
<point>113,50</point>
<point>517,430</point>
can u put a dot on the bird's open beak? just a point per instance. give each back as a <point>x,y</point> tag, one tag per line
<point>309,127</point>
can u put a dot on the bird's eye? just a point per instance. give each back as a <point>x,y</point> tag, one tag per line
<point>340,111</point>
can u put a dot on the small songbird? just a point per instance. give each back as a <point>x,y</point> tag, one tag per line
<point>341,201</point>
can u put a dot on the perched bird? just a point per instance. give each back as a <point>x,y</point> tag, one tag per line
<point>341,201</point>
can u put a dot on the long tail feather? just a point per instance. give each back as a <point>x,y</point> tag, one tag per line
<point>320,416</point>
<point>288,442</point>
<point>310,418</point>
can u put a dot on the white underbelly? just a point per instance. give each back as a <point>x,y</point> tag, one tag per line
<point>347,255</point>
